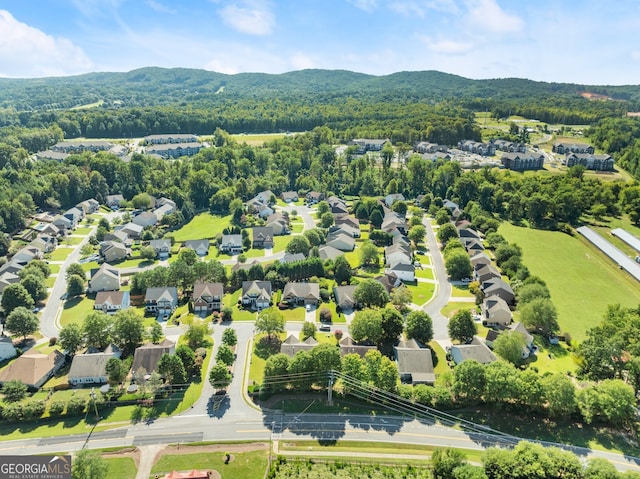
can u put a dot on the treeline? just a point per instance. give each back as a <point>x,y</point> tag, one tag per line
<point>218,176</point>
<point>619,137</point>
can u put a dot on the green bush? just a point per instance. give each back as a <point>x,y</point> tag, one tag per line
<point>76,405</point>
<point>56,408</point>
<point>33,409</point>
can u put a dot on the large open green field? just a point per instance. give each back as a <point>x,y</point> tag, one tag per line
<point>582,280</point>
<point>204,225</point>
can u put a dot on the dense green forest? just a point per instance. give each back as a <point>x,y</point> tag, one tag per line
<point>155,100</point>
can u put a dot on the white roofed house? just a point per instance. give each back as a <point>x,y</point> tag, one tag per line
<point>477,350</point>
<point>146,218</point>
<point>256,294</point>
<point>133,230</point>
<point>231,244</point>
<point>104,278</point>
<point>112,301</point>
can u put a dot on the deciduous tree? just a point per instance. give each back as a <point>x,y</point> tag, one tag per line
<point>419,326</point>
<point>22,322</point>
<point>461,327</point>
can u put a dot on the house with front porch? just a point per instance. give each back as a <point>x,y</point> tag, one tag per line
<point>301,293</point>
<point>104,278</point>
<point>231,244</point>
<point>161,300</point>
<point>112,301</point>
<point>256,294</point>
<point>207,297</point>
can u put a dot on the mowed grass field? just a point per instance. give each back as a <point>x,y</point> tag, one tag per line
<point>581,279</point>
<point>204,225</point>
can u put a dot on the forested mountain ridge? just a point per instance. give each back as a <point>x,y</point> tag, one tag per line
<point>161,86</point>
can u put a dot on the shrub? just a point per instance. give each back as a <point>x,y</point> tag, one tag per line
<point>76,405</point>
<point>53,341</point>
<point>56,408</point>
<point>33,409</point>
<point>12,412</point>
<point>326,315</point>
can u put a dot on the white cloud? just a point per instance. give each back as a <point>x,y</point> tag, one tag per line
<point>420,8</point>
<point>300,61</point>
<point>28,52</point>
<point>366,5</point>
<point>250,16</point>
<point>487,14</point>
<point>92,8</point>
<point>159,7</point>
<point>447,46</point>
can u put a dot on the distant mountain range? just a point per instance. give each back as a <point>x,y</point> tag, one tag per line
<point>181,87</point>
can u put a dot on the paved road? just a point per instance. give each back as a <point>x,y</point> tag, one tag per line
<point>443,289</point>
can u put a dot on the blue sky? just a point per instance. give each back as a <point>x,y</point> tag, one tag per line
<point>581,41</point>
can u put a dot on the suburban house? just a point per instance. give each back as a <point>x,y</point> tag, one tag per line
<point>119,236</point>
<point>498,287</point>
<point>44,243</point>
<point>231,244</point>
<point>104,278</point>
<point>161,300</point>
<point>349,346</point>
<point>338,207</point>
<point>346,219</point>
<point>89,206</point>
<point>147,356</point>
<point>278,223</point>
<point>345,228</point>
<point>389,200</point>
<point>292,345</point>
<point>591,161</point>
<point>496,312</point>
<point>314,197</point>
<point>201,247</point>
<point>133,230</point>
<point>47,229</point>
<point>566,148</point>
<point>389,281</point>
<point>266,197</point>
<point>112,301</point>
<point>516,328</point>
<point>301,293</point>
<point>477,350</point>
<point>329,252</point>
<point>114,201</point>
<point>259,208</point>
<point>7,349</point>
<point>207,297</point>
<point>415,364</point>
<point>74,215</point>
<point>256,294</point>
<point>164,210</point>
<point>162,247</point>
<point>392,221</point>
<point>522,161</point>
<point>480,259</point>
<point>485,272</point>
<point>33,369</point>
<point>344,297</point>
<point>404,271</point>
<point>341,241</point>
<point>112,251</point>
<point>90,367</point>
<point>63,223</point>
<point>262,237</point>
<point>292,258</point>
<point>426,147</point>
<point>145,219</point>
<point>289,196</point>
<point>7,278</point>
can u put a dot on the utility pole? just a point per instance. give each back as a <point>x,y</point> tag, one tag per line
<point>95,406</point>
<point>330,389</point>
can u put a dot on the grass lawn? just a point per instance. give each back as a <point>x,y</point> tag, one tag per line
<point>245,465</point>
<point>297,227</point>
<point>75,310</point>
<point>335,317</point>
<point>555,359</point>
<point>261,351</point>
<point>257,139</point>
<point>82,231</point>
<point>90,265</point>
<point>238,314</point>
<point>55,268</point>
<point>60,253</point>
<point>423,258</point>
<point>204,225</point>
<point>581,279</point>
<point>426,273</point>
<point>442,366</point>
<point>50,281</point>
<point>461,291</point>
<point>280,243</point>
<point>422,292</point>
<point>452,308</point>
<point>72,240</point>
<point>121,467</point>
<point>293,314</point>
